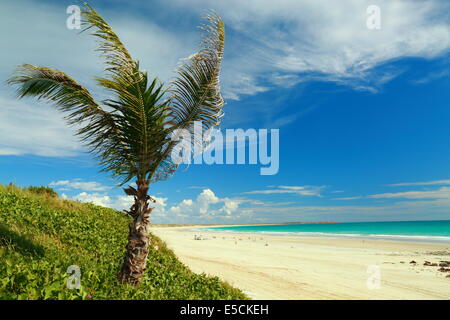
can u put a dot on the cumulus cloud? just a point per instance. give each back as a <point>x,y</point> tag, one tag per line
<point>96,193</point>
<point>95,198</point>
<point>205,208</point>
<point>230,206</point>
<point>206,204</point>
<point>209,208</point>
<point>116,202</point>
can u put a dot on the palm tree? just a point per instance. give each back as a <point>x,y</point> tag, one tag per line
<point>130,133</point>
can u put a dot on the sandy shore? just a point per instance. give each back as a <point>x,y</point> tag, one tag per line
<point>287,267</point>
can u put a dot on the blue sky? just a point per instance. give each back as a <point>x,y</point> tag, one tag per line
<point>363,114</point>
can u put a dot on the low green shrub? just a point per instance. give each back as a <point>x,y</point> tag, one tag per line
<point>41,236</point>
<point>43,190</point>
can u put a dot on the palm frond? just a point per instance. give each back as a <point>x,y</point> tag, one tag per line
<point>136,101</point>
<point>195,93</point>
<point>117,57</point>
<point>99,129</point>
<point>56,86</point>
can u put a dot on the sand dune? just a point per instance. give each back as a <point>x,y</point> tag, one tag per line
<point>285,267</point>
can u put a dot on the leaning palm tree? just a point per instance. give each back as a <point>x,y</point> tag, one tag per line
<point>131,133</point>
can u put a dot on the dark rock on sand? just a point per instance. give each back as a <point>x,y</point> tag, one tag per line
<point>444,264</point>
<point>413,262</point>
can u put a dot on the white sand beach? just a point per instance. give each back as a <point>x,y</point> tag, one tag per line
<point>291,267</point>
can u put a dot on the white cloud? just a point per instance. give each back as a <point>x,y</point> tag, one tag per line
<point>422,204</point>
<point>203,209</point>
<point>40,37</point>
<point>205,199</point>
<point>402,210</point>
<point>160,201</point>
<point>230,206</point>
<point>270,44</point>
<point>204,203</point>
<point>207,207</point>
<point>99,196</point>
<point>116,202</point>
<point>300,190</point>
<point>426,183</point>
<point>347,198</point>
<point>78,184</point>
<point>95,198</point>
<point>327,40</point>
<point>441,193</point>
<point>240,84</point>
<point>34,129</point>
<point>433,76</point>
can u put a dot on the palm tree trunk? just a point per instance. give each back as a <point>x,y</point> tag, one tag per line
<point>135,260</point>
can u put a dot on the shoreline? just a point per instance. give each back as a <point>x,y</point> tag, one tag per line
<point>295,267</point>
<point>386,237</point>
<point>234,225</point>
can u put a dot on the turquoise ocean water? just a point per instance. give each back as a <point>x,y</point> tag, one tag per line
<point>395,230</point>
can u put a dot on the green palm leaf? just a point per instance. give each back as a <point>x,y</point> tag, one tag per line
<point>195,93</point>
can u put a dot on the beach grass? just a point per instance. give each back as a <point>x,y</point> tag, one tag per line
<point>41,236</point>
